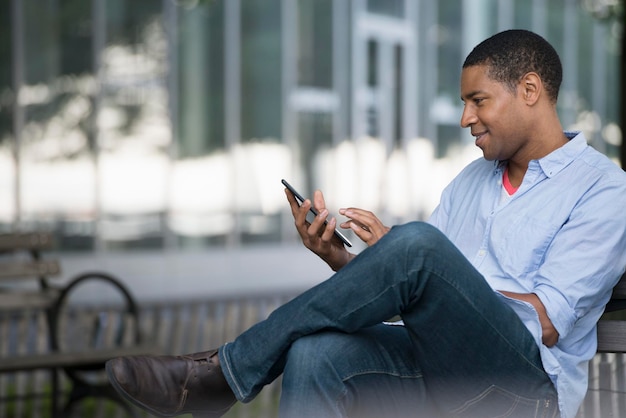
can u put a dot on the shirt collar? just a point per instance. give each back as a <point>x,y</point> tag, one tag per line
<point>558,159</point>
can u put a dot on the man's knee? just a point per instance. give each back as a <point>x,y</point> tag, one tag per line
<point>313,354</point>
<point>420,235</point>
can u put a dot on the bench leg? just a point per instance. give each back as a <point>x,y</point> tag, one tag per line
<point>54,404</point>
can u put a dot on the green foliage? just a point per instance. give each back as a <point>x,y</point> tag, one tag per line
<point>605,10</point>
<point>16,405</point>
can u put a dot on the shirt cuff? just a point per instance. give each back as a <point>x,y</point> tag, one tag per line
<point>561,314</point>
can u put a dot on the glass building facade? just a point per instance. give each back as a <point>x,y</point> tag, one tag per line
<point>167,125</point>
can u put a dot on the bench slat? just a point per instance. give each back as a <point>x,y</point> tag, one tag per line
<point>11,301</point>
<point>26,241</point>
<point>611,336</point>
<point>14,270</point>
<point>54,360</point>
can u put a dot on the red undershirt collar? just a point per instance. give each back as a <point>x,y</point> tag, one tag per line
<point>507,183</point>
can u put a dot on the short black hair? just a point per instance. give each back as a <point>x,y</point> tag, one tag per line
<point>511,54</point>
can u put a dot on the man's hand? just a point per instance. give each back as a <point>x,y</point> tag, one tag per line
<point>550,336</point>
<point>316,236</point>
<point>364,224</point>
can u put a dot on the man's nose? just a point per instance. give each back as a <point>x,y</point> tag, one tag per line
<point>468,117</point>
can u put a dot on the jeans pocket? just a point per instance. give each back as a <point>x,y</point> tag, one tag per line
<point>496,402</point>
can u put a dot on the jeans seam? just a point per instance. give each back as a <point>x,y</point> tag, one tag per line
<point>539,404</point>
<point>228,370</point>
<point>382,372</point>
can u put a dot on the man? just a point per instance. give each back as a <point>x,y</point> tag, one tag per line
<point>499,293</point>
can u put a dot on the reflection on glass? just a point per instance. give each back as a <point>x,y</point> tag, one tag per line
<point>201,84</point>
<point>372,63</point>
<point>57,177</point>
<point>133,124</point>
<point>373,82</point>
<point>394,8</point>
<point>261,70</point>
<point>398,94</point>
<point>315,43</point>
<point>214,196</point>
<point>86,143</point>
<point>7,188</point>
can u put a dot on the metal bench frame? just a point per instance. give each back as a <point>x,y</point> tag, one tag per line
<point>51,299</point>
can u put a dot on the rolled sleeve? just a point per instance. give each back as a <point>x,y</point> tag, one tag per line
<point>562,315</point>
<point>584,261</point>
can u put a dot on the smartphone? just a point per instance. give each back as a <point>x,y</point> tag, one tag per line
<point>299,197</point>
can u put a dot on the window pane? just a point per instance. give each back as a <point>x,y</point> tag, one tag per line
<point>450,37</point>
<point>393,8</point>
<point>7,100</point>
<point>57,173</point>
<point>315,133</point>
<point>315,43</point>
<point>201,80</point>
<point>134,125</point>
<point>398,93</point>
<point>261,70</point>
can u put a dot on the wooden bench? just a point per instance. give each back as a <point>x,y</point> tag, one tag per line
<point>612,326</point>
<point>20,258</point>
<point>74,343</point>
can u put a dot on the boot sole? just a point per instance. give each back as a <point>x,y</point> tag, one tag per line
<point>120,390</point>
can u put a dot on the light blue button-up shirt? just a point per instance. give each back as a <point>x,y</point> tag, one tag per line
<point>562,236</point>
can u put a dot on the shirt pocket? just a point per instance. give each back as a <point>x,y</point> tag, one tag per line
<point>520,246</point>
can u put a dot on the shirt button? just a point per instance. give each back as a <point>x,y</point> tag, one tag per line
<point>482,253</point>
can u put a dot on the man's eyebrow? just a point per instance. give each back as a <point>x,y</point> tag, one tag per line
<point>471,94</point>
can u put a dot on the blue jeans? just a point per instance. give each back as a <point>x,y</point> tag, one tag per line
<point>461,352</point>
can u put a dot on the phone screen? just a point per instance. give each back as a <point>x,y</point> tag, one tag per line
<point>313,212</point>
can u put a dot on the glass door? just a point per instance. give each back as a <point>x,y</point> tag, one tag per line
<point>384,78</point>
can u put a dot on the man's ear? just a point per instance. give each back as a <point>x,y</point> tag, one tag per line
<point>531,87</point>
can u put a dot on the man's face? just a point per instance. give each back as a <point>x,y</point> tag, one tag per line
<point>493,113</point>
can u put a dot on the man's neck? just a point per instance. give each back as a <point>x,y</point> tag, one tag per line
<point>517,166</point>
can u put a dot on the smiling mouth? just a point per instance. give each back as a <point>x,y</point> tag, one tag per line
<point>479,135</point>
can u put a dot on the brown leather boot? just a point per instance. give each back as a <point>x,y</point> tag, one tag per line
<point>168,386</point>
